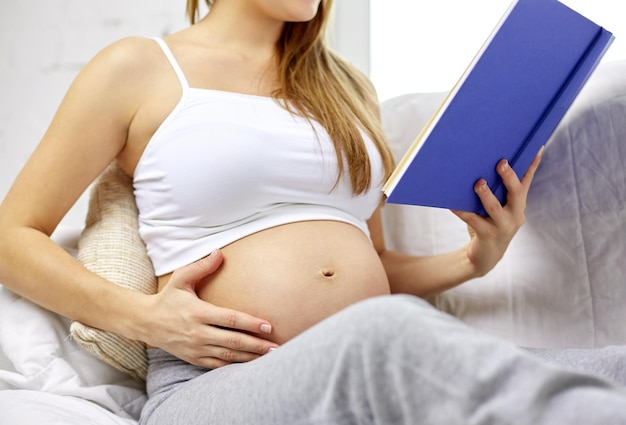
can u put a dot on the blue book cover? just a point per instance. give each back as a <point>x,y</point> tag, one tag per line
<point>505,106</point>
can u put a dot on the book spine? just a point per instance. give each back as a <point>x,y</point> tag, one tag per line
<point>558,106</point>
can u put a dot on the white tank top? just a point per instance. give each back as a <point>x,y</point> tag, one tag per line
<point>224,165</point>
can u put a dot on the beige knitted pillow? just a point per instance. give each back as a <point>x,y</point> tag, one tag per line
<point>110,246</point>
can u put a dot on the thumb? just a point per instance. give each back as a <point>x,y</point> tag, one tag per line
<point>191,274</point>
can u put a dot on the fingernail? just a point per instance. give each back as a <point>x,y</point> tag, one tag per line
<point>265,328</point>
<point>271,349</point>
<point>481,185</point>
<point>213,253</point>
<point>505,166</point>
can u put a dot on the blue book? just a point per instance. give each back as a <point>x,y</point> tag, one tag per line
<point>505,106</point>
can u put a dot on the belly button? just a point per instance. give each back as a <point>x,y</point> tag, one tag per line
<point>327,273</point>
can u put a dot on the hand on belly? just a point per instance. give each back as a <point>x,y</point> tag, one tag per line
<point>296,275</point>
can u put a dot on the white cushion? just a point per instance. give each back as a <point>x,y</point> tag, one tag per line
<point>110,246</point>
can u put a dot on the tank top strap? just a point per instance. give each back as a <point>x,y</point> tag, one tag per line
<point>172,60</point>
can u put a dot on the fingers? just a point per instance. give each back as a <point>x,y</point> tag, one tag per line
<point>204,266</point>
<point>217,336</point>
<point>499,215</point>
<point>228,336</point>
<point>233,346</point>
<point>491,235</point>
<point>491,204</point>
<point>233,319</point>
<point>196,271</point>
<point>532,168</point>
<point>218,355</point>
<point>224,346</point>
<point>517,190</point>
<point>229,347</point>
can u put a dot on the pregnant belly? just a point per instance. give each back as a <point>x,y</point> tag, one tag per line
<point>296,275</point>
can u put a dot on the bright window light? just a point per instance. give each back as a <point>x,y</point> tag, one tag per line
<point>424,46</point>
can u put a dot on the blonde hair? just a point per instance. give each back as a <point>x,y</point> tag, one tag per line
<point>193,10</point>
<point>318,84</point>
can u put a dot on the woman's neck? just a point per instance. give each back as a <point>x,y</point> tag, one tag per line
<point>242,28</point>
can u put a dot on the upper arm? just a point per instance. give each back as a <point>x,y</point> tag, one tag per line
<point>87,132</point>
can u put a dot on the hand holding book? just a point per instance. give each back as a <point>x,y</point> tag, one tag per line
<point>505,106</point>
<point>490,236</point>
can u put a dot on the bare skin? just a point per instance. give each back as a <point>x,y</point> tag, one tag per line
<point>269,288</point>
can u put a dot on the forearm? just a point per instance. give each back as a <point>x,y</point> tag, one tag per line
<point>36,268</point>
<point>429,275</point>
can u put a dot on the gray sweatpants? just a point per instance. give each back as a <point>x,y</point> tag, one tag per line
<point>388,360</point>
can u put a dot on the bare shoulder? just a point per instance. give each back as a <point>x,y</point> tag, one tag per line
<point>103,100</point>
<point>132,50</point>
<point>121,76</point>
<point>127,60</point>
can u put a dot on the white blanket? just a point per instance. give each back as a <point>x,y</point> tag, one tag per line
<point>53,374</point>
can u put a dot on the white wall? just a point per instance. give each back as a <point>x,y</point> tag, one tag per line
<point>424,46</point>
<point>351,33</point>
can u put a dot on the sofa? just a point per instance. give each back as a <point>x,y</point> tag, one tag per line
<point>561,284</point>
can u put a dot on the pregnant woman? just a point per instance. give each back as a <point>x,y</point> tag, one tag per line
<point>257,159</point>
